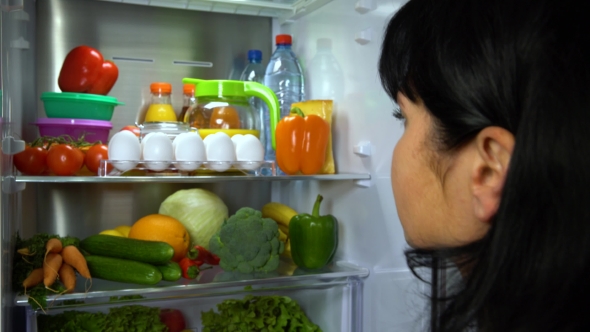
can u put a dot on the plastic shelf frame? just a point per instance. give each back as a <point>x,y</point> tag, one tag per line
<point>184,168</point>
<point>210,283</point>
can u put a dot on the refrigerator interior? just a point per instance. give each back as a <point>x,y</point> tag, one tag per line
<point>154,41</point>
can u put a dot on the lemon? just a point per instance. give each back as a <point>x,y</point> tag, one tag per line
<point>123,229</point>
<point>111,232</point>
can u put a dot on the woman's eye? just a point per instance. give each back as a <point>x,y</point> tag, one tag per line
<point>397,113</point>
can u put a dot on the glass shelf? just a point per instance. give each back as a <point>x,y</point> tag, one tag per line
<point>285,10</point>
<point>212,282</point>
<point>185,179</point>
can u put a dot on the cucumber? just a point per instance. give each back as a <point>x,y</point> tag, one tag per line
<point>152,252</point>
<point>123,270</point>
<point>170,271</point>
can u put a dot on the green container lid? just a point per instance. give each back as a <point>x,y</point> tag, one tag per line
<point>72,96</point>
<point>79,105</point>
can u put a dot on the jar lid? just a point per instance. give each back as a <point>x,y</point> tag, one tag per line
<point>217,88</point>
<point>161,87</point>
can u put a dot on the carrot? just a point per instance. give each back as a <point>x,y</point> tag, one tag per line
<point>34,278</point>
<point>74,257</point>
<point>50,268</point>
<point>53,245</point>
<point>25,252</point>
<point>67,275</point>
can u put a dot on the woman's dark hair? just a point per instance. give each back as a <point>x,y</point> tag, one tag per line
<point>523,65</point>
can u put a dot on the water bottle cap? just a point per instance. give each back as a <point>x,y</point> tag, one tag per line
<point>324,44</point>
<point>255,55</point>
<point>283,39</point>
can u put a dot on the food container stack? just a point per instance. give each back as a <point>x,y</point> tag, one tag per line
<point>77,115</point>
<point>82,108</point>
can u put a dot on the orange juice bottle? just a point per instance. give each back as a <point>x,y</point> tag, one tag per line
<point>160,109</point>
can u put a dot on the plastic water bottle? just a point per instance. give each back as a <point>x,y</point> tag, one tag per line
<point>254,72</point>
<point>325,77</point>
<point>284,76</point>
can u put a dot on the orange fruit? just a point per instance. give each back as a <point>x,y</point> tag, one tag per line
<point>158,227</point>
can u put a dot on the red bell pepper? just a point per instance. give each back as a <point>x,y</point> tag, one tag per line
<point>201,254</point>
<point>190,268</point>
<point>84,70</point>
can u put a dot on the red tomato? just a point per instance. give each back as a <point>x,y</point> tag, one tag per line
<point>106,80</point>
<point>80,70</point>
<point>32,161</point>
<point>63,159</point>
<point>94,155</point>
<point>134,129</point>
<point>173,319</point>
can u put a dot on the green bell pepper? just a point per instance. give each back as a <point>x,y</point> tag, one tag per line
<point>314,238</point>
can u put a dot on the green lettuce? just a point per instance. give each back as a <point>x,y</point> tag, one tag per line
<point>258,314</point>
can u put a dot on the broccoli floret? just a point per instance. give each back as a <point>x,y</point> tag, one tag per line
<point>247,243</point>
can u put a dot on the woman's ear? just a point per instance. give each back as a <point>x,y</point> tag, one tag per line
<point>494,147</point>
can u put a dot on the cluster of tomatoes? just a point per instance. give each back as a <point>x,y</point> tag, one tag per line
<point>60,156</point>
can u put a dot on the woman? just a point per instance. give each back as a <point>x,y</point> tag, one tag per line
<point>493,169</point>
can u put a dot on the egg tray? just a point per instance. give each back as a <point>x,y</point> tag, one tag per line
<point>179,168</point>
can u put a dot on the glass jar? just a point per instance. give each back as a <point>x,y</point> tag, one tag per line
<point>160,109</point>
<point>223,106</point>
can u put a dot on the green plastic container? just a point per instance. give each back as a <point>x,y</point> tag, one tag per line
<point>79,105</point>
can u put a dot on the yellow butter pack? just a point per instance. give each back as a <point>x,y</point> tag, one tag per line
<point>322,108</point>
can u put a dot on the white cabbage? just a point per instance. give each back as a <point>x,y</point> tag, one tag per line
<point>200,211</point>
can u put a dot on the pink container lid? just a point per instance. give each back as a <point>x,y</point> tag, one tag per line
<point>75,122</point>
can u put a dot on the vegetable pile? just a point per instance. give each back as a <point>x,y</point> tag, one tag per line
<point>133,318</point>
<point>248,243</point>
<point>258,313</point>
<point>62,156</point>
<point>47,264</point>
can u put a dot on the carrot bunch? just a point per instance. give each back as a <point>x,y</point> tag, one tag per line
<point>47,264</point>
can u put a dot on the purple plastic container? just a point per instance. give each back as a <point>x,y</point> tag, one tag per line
<point>93,130</point>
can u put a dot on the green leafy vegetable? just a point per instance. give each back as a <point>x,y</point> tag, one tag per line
<point>200,211</point>
<point>248,243</point>
<point>258,313</point>
<point>133,318</point>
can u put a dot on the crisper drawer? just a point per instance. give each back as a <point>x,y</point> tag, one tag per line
<point>331,299</point>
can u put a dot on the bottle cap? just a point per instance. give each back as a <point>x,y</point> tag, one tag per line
<point>324,44</point>
<point>255,55</point>
<point>161,87</point>
<point>283,39</point>
<point>188,89</point>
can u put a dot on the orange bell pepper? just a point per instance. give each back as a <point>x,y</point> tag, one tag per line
<point>301,143</point>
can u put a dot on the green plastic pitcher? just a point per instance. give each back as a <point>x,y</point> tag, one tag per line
<point>223,105</point>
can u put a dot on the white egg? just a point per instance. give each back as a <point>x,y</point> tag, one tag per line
<point>250,151</point>
<point>220,151</point>
<point>157,151</point>
<point>236,139</point>
<point>143,140</point>
<point>189,151</point>
<point>125,151</point>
